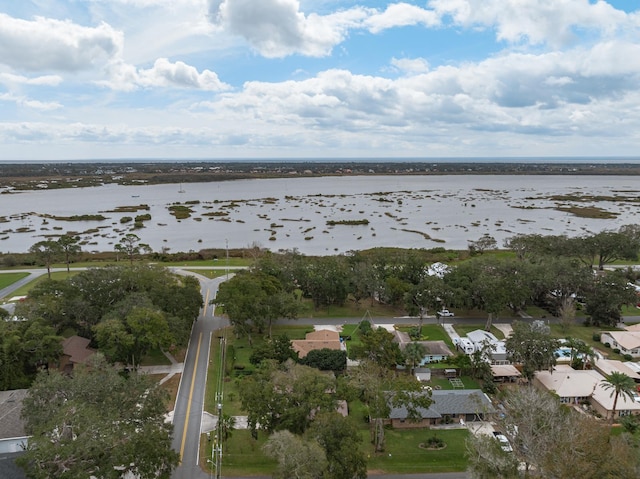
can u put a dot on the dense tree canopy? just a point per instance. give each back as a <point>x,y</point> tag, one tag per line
<point>532,346</point>
<point>253,300</point>
<point>606,296</point>
<point>297,457</point>
<point>97,423</point>
<point>340,439</point>
<point>554,441</point>
<point>278,397</point>
<point>125,310</point>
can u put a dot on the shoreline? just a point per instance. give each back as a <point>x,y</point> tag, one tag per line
<point>47,176</point>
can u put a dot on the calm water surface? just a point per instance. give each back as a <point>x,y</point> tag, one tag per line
<point>288,213</point>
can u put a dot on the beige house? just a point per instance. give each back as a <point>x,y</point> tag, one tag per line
<point>608,366</point>
<point>321,339</point>
<point>628,342</point>
<point>505,373</point>
<point>584,386</point>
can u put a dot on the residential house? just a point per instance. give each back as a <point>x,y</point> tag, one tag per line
<point>320,339</point>
<point>608,366</point>
<point>628,342</point>
<point>505,373</point>
<point>570,385</point>
<point>434,351</point>
<point>584,387</point>
<point>479,338</point>
<point>75,350</point>
<point>447,406</point>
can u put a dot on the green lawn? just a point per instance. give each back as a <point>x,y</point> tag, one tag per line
<point>585,333</point>
<point>463,329</point>
<point>209,273</point>
<point>58,275</point>
<point>155,358</point>
<point>445,384</point>
<point>242,456</point>
<point>7,279</point>
<point>220,263</point>
<point>430,332</point>
<point>403,454</point>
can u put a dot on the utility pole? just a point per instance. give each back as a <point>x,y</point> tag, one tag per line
<point>227,247</point>
<point>216,450</point>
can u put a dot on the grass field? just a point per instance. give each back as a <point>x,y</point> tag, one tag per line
<point>209,273</point>
<point>7,279</point>
<point>403,454</point>
<point>57,275</point>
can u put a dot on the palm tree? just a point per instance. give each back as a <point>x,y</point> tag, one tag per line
<point>414,353</point>
<point>619,383</point>
<point>581,352</point>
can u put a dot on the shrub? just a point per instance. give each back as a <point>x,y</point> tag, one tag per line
<point>434,442</point>
<point>607,345</point>
<point>616,350</point>
<point>628,357</point>
<point>364,327</point>
<point>596,337</point>
<point>630,424</point>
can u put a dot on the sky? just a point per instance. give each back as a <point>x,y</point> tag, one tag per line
<point>303,79</point>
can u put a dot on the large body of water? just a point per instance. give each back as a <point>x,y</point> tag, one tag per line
<point>292,213</point>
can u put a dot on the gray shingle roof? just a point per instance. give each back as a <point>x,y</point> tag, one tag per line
<point>11,424</point>
<point>450,402</point>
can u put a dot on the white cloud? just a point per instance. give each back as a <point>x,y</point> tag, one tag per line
<point>45,44</point>
<point>44,80</point>
<point>163,74</point>
<point>537,22</point>
<point>29,103</point>
<point>411,65</point>
<point>179,74</point>
<point>399,15</point>
<point>277,28</point>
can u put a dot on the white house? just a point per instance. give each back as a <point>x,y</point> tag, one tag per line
<point>628,342</point>
<point>480,338</point>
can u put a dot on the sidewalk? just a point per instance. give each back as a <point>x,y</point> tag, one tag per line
<point>170,370</point>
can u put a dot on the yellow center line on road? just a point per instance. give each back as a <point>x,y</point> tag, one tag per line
<point>193,382</point>
<point>206,305</point>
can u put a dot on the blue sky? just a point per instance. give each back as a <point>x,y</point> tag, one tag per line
<point>224,79</point>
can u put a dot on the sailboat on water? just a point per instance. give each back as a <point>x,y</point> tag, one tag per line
<point>181,190</point>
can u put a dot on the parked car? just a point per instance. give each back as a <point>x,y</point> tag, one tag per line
<point>504,442</point>
<point>445,313</point>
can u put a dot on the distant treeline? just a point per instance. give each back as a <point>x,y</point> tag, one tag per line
<point>28,175</point>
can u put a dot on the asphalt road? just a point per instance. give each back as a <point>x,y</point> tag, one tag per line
<point>187,416</point>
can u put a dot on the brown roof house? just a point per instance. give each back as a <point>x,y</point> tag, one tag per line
<point>321,339</point>
<point>75,350</point>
